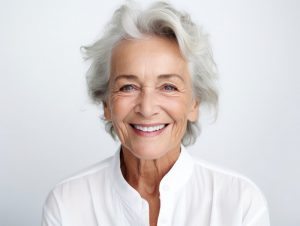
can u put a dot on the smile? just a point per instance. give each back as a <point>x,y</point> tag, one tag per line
<point>148,130</point>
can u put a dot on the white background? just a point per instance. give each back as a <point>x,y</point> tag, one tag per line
<point>49,129</point>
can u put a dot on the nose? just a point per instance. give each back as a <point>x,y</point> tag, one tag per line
<point>147,104</point>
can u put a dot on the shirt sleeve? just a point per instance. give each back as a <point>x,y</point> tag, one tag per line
<point>51,211</point>
<point>255,208</point>
<point>260,219</point>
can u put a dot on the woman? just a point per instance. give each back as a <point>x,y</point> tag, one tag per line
<point>152,70</point>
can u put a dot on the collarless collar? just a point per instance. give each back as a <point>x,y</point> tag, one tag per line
<point>124,190</point>
<point>173,181</point>
<point>179,174</point>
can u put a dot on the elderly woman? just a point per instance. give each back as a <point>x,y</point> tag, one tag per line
<point>152,69</point>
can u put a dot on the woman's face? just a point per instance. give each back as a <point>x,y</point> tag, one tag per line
<point>150,96</point>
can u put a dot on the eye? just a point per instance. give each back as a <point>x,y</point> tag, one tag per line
<point>169,88</point>
<point>128,88</point>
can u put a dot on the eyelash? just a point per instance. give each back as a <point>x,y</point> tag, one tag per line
<point>125,88</point>
<point>173,88</point>
<point>165,87</point>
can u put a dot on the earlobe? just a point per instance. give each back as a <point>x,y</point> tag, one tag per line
<point>193,114</point>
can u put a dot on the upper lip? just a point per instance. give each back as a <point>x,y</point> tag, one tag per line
<point>148,124</point>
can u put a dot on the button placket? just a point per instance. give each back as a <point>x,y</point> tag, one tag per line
<point>165,188</point>
<point>165,205</point>
<point>145,213</point>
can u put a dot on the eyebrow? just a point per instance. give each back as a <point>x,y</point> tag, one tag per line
<point>166,76</point>
<point>128,77</point>
<point>160,77</point>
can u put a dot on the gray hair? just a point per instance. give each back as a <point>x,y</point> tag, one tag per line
<point>160,19</point>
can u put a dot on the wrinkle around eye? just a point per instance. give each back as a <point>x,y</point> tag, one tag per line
<point>169,88</point>
<point>128,88</point>
<point>172,89</point>
<point>124,88</point>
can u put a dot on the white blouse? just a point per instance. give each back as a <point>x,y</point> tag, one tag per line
<point>192,193</point>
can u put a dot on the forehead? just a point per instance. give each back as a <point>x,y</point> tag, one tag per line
<point>149,56</point>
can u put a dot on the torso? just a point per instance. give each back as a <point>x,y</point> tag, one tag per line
<point>193,193</point>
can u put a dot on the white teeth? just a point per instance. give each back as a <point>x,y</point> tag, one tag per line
<point>149,129</point>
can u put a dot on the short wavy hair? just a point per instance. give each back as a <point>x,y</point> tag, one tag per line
<point>131,21</point>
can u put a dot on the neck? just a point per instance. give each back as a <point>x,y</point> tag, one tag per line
<point>145,175</point>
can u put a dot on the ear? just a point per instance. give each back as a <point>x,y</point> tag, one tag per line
<point>106,109</point>
<point>194,111</point>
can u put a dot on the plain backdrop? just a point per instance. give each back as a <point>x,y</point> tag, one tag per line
<point>49,129</point>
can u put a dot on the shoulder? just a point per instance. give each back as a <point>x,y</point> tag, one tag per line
<point>97,168</point>
<point>229,185</point>
<point>230,195</point>
<point>81,181</point>
<point>74,193</point>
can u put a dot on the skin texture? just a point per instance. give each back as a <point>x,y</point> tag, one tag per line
<point>149,85</point>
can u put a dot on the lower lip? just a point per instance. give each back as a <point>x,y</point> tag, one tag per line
<point>148,134</point>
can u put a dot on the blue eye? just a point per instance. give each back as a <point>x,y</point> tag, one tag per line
<point>169,87</point>
<point>127,88</point>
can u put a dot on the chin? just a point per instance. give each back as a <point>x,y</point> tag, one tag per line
<point>148,153</point>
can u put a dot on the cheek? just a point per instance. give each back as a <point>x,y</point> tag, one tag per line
<point>120,107</point>
<point>177,111</point>
<point>177,108</point>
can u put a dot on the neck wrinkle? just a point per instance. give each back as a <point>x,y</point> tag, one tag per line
<point>145,175</point>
